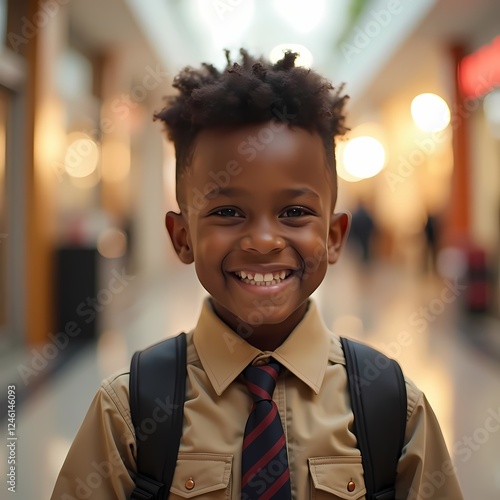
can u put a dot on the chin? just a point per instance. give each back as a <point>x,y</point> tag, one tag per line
<point>265,313</point>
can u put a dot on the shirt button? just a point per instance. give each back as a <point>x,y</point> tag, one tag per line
<point>351,486</point>
<point>189,484</point>
<point>261,362</point>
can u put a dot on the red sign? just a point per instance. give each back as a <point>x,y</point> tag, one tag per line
<point>479,73</point>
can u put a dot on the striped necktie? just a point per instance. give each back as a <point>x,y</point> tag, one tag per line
<point>265,472</point>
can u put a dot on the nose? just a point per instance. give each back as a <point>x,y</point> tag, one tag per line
<point>262,237</point>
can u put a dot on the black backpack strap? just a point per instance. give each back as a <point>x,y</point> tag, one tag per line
<point>157,393</point>
<point>378,397</point>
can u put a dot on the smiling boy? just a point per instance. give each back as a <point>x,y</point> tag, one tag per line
<point>263,242</point>
<point>256,186</point>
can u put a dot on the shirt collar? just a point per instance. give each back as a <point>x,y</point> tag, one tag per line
<point>224,354</point>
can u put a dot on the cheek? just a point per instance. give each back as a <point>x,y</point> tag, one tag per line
<point>212,243</point>
<point>212,247</point>
<point>315,256</point>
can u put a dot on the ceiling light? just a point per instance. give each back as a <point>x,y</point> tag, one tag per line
<point>82,155</point>
<point>363,157</point>
<point>430,112</point>
<point>305,58</point>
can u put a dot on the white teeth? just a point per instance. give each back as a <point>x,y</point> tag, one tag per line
<point>262,279</point>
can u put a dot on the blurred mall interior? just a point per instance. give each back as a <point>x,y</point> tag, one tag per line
<point>87,274</point>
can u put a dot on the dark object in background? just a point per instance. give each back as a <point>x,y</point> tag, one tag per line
<point>361,232</point>
<point>75,289</point>
<point>431,239</point>
<point>477,295</point>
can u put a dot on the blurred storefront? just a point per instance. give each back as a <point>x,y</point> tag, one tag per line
<point>409,66</point>
<point>479,83</point>
<point>15,129</point>
<point>79,156</point>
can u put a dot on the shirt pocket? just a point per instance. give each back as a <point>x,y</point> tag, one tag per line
<point>202,475</point>
<point>336,478</point>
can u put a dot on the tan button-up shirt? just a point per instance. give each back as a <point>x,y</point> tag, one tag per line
<point>313,401</point>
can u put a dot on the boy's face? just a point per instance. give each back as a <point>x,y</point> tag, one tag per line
<point>258,200</point>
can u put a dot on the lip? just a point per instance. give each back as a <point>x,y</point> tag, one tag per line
<point>264,268</point>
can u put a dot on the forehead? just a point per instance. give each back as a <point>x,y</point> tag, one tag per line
<point>271,152</point>
<point>259,141</point>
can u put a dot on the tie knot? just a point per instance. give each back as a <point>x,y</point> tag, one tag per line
<point>261,380</point>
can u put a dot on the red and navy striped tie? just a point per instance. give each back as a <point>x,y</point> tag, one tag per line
<point>265,472</point>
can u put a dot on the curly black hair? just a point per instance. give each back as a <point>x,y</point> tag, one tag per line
<point>251,91</point>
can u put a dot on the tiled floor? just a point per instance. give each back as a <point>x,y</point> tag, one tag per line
<point>405,316</point>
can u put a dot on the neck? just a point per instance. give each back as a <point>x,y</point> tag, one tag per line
<point>266,337</point>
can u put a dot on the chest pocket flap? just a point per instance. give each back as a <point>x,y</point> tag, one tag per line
<point>342,477</point>
<point>201,473</point>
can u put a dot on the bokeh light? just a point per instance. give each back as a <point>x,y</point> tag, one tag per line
<point>112,243</point>
<point>430,112</point>
<point>82,155</point>
<point>305,58</point>
<point>363,157</point>
<point>491,106</point>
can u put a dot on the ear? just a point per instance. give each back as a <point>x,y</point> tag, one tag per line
<point>339,229</point>
<point>177,228</point>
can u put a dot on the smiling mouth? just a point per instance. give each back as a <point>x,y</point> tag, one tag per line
<point>263,279</point>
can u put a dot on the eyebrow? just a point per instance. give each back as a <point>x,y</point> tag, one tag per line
<point>225,191</point>
<point>296,192</point>
<point>233,191</point>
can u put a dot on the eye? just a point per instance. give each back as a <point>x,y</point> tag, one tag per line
<point>296,212</point>
<point>227,212</point>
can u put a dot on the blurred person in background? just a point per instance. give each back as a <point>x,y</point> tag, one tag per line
<point>362,232</point>
<point>431,239</point>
